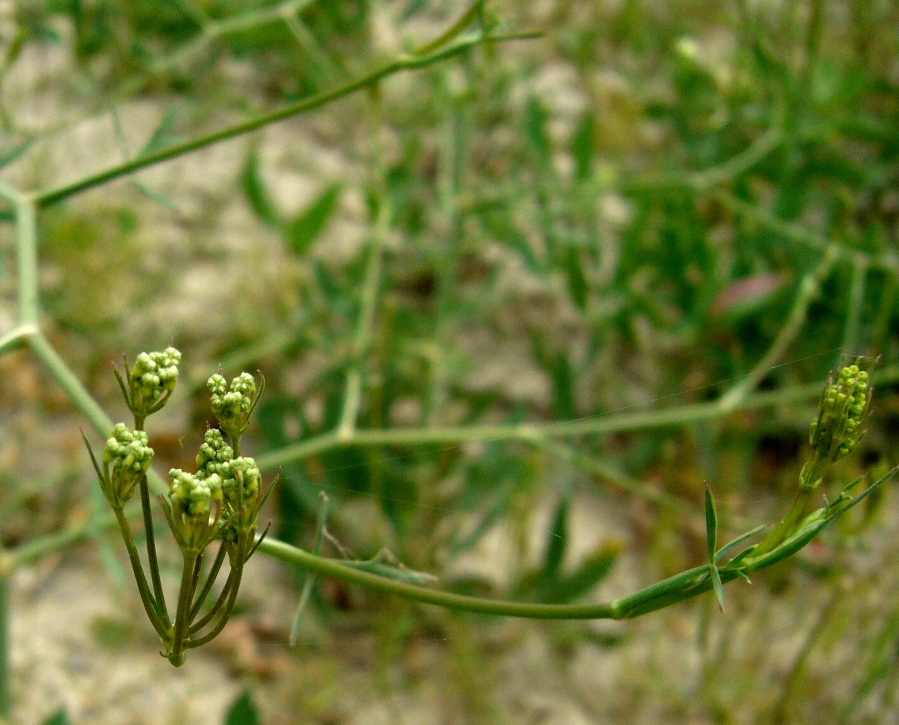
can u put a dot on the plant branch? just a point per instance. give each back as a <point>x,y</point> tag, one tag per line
<point>531,432</point>
<point>51,196</point>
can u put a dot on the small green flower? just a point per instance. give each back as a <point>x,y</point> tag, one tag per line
<point>233,405</point>
<point>152,380</point>
<point>126,459</point>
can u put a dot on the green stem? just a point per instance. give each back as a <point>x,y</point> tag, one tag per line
<point>5,671</point>
<point>51,196</point>
<point>855,306</point>
<point>17,337</point>
<point>222,598</point>
<point>26,241</point>
<point>365,324</point>
<point>73,388</point>
<point>151,550</point>
<point>149,604</point>
<point>531,432</point>
<point>185,598</point>
<point>210,581</point>
<point>237,570</point>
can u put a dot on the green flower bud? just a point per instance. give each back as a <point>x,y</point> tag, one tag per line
<point>214,454</point>
<point>126,460</point>
<point>232,405</point>
<point>841,416</point>
<point>190,506</point>
<point>152,380</point>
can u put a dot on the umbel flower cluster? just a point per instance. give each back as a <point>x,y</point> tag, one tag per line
<point>220,502</point>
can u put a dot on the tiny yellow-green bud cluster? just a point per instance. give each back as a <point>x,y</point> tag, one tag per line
<point>192,495</point>
<point>214,454</point>
<point>152,380</point>
<point>126,459</point>
<point>841,413</point>
<point>232,404</point>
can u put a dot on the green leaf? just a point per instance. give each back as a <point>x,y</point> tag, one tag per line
<point>731,545</point>
<point>58,718</point>
<point>258,196</point>
<point>711,524</point>
<point>577,282</point>
<point>588,575</point>
<point>162,136</point>
<point>582,147</point>
<point>535,132</point>
<point>556,540</point>
<point>243,711</point>
<point>306,228</point>
<point>711,540</point>
<point>563,387</point>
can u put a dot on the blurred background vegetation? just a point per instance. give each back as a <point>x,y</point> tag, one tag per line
<point>654,204</point>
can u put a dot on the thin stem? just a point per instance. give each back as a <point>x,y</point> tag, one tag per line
<point>237,571</point>
<point>151,549</point>
<point>17,337</point>
<point>149,604</point>
<point>856,303</point>
<point>185,597</point>
<point>76,392</point>
<point>52,196</point>
<point>809,287</point>
<point>210,581</point>
<point>594,425</point>
<point>26,240</point>
<point>5,670</point>
<point>365,324</point>
<point>151,538</point>
<point>222,598</point>
<point>678,588</point>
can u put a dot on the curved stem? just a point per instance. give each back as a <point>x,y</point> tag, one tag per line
<point>207,587</point>
<point>150,604</point>
<point>237,570</point>
<point>151,550</point>
<point>210,615</point>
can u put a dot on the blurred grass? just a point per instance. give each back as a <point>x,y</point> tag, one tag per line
<point>619,212</point>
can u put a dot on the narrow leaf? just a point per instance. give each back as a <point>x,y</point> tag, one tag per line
<point>731,545</point>
<point>556,540</point>
<point>711,540</point>
<point>162,136</point>
<point>587,576</point>
<point>577,281</point>
<point>306,228</point>
<point>716,584</point>
<point>711,524</point>
<point>535,120</point>
<point>257,194</point>
<point>582,147</point>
